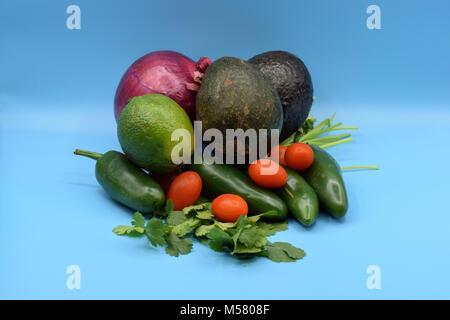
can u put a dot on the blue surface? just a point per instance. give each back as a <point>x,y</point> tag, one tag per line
<point>56,92</point>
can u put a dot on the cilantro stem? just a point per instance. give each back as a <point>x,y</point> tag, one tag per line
<point>322,128</point>
<point>89,154</point>
<point>315,134</point>
<point>289,140</point>
<point>360,167</point>
<point>331,144</point>
<point>346,128</point>
<point>319,129</point>
<point>328,138</point>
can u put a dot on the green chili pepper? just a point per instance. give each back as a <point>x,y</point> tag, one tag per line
<point>300,198</point>
<point>325,177</point>
<point>222,178</point>
<point>126,183</point>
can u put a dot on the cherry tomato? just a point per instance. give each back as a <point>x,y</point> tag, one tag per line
<point>185,189</point>
<point>267,173</point>
<point>229,207</point>
<point>299,156</point>
<point>164,180</point>
<point>281,154</point>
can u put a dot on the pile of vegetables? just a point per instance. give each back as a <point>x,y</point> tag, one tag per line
<point>230,208</point>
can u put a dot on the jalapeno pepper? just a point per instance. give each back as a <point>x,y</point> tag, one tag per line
<point>300,198</point>
<point>126,183</point>
<point>325,177</point>
<point>221,178</point>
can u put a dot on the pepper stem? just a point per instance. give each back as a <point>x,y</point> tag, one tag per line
<point>89,154</point>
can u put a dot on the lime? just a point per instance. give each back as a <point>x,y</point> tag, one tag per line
<point>146,128</point>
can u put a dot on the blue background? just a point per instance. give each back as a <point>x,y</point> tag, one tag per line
<point>56,94</point>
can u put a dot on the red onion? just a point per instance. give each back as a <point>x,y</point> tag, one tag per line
<point>166,72</point>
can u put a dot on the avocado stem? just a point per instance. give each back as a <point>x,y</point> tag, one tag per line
<point>360,167</point>
<point>89,154</point>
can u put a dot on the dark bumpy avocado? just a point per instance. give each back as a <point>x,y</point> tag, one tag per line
<point>292,81</point>
<point>236,94</point>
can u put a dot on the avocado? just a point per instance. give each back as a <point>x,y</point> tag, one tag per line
<point>236,94</point>
<point>291,79</point>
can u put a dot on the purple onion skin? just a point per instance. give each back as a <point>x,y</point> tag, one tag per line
<point>165,72</point>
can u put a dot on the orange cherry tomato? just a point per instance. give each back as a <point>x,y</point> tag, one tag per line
<point>299,156</point>
<point>185,189</point>
<point>164,180</point>
<point>281,154</point>
<point>229,207</point>
<point>267,173</point>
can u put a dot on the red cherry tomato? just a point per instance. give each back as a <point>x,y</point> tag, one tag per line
<point>229,207</point>
<point>164,180</point>
<point>185,189</point>
<point>281,154</point>
<point>267,173</point>
<point>299,156</point>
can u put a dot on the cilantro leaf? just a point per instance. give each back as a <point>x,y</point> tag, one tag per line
<point>154,230</point>
<point>243,250</point>
<point>205,215</point>
<point>185,227</point>
<point>283,252</point>
<point>193,209</point>
<point>308,125</point>
<point>278,255</point>
<point>202,230</point>
<point>129,231</point>
<point>175,217</point>
<point>176,245</point>
<point>240,224</point>
<point>224,225</point>
<point>293,252</point>
<point>138,220</point>
<point>269,229</point>
<point>219,239</point>
<point>252,240</point>
<point>252,237</point>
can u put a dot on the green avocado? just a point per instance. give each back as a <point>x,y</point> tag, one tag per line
<point>235,94</point>
<point>291,79</point>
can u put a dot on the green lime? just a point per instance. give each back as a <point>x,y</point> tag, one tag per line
<point>146,128</point>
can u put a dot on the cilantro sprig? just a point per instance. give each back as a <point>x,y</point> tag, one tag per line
<point>311,133</point>
<point>247,237</point>
<point>318,135</point>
